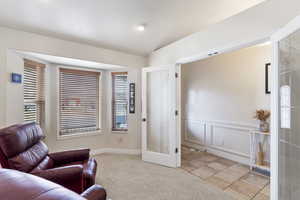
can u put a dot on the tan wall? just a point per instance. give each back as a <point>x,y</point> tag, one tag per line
<point>219,97</point>
<point>227,87</point>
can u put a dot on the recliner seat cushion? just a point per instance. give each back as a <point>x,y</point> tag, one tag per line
<point>29,159</point>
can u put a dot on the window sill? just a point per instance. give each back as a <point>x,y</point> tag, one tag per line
<point>78,135</point>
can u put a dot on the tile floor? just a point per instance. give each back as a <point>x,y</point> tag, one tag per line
<point>235,179</point>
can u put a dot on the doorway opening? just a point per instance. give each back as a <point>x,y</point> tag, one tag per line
<point>222,143</point>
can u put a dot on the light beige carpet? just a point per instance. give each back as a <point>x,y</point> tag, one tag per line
<point>129,178</point>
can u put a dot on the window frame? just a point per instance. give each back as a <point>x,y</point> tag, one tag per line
<point>99,131</point>
<point>29,63</point>
<point>116,130</point>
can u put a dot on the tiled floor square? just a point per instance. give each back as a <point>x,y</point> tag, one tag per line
<point>217,166</point>
<point>193,156</point>
<point>236,195</point>
<point>209,158</point>
<point>254,179</point>
<point>197,163</point>
<point>203,172</point>
<point>229,175</point>
<point>215,181</point>
<point>240,168</point>
<point>245,188</point>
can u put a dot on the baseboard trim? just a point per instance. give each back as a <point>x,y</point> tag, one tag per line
<point>116,151</point>
<point>228,155</point>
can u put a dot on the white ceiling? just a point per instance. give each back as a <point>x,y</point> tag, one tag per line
<point>67,61</point>
<point>111,23</point>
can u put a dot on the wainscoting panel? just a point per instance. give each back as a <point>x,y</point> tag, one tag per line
<point>195,132</point>
<point>230,139</point>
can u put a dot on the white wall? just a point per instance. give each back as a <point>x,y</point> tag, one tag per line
<point>11,95</point>
<point>14,91</point>
<point>255,23</point>
<point>219,97</point>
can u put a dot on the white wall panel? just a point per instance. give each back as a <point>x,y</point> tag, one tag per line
<point>195,131</point>
<point>231,138</point>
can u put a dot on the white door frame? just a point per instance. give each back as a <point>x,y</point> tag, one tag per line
<point>202,56</point>
<point>179,117</point>
<point>154,157</point>
<point>291,27</point>
<point>226,49</point>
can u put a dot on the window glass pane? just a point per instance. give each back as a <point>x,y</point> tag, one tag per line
<point>79,101</point>
<point>33,92</point>
<point>120,94</point>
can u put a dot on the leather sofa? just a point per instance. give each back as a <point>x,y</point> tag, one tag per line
<point>22,149</point>
<point>15,185</point>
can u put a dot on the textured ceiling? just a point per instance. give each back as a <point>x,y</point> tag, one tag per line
<point>111,23</point>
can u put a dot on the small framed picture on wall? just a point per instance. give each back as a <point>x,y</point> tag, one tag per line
<point>16,78</point>
<point>268,80</point>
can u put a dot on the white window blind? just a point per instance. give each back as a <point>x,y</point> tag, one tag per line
<point>120,94</point>
<point>34,98</point>
<point>79,101</point>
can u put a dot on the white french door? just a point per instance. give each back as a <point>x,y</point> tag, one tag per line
<point>285,157</point>
<point>159,134</point>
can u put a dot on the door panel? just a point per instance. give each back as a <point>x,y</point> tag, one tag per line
<point>159,120</point>
<point>158,111</point>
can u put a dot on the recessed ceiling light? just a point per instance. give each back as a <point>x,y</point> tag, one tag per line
<point>141,27</point>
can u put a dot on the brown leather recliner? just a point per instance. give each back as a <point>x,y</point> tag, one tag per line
<point>15,185</point>
<point>22,149</point>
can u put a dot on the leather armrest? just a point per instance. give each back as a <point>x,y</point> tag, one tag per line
<point>95,192</point>
<point>65,157</point>
<point>62,175</point>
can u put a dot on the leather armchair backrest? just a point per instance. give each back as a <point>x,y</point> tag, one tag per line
<point>21,148</point>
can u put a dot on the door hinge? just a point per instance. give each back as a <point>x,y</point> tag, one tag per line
<point>176,112</point>
<point>176,150</point>
<point>176,75</point>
